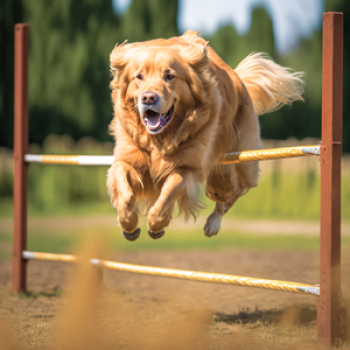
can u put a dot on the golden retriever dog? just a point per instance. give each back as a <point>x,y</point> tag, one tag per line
<point>178,108</point>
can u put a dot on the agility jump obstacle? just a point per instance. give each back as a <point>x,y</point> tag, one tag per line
<point>330,151</point>
<point>285,286</point>
<point>229,158</point>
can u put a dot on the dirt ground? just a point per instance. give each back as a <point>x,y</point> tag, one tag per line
<point>144,312</point>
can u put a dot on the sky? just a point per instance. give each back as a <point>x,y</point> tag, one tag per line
<point>292,19</point>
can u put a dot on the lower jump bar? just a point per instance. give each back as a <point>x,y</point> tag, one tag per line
<point>285,286</point>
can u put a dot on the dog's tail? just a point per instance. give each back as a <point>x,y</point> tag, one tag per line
<point>269,85</point>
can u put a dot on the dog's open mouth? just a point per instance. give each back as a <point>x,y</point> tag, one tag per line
<point>155,122</point>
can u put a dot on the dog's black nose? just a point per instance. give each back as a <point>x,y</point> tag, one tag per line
<point>149,97</point>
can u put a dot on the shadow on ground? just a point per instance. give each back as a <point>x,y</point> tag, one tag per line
<point>292,315</point>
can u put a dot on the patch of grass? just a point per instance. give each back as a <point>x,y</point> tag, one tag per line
<point>36,295</point>
<point>5,238</point>
<point>6,207</point>
<point>4,255</point>
<point>195,240</point>
<point>52,244</point>
<point>79,208</point>
<point>279,196</point>
<point>66,242</point>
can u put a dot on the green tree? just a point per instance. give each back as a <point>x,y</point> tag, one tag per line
<point>70,43</point>
<point>69,67</point>
<point>150,19</point>
<point>302,119</point>
<point>260,36</point>
<point>225,42</point>
<point>232,48</point>
<point>344,6</point>
<point>10,13</point>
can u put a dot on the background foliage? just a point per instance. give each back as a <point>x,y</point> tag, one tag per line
<point>70,42</point>
<point>287,188</point>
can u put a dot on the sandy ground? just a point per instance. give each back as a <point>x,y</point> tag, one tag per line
<point>130,311</point>
<point>145,312</point>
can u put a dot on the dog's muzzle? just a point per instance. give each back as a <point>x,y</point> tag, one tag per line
<point>150,115</point>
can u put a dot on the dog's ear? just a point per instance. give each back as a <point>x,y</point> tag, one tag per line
<point>202,83</point>
<point>190,36</point>
<point>118,61</point>
<point>199,73</point>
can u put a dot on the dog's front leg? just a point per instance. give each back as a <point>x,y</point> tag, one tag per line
<point>161,213</point>
<point>121,181</point>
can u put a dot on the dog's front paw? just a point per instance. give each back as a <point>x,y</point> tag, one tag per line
<point>156,235</point>
<point>132,236</point>
<point>128,219</point>
<point>156,224</point>
<point>213,225</point>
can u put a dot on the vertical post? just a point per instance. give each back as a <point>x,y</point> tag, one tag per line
<point>20,149</point>
<point>329,301</point>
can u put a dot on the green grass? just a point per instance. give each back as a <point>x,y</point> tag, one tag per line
<point>31,295</point>
<point>77,192</point>
<point>6,207</point>
<point>4,254</point>
<point>79,208</point>
<point>57,241</point>
<point>278,196</point>
<point>59,190</point>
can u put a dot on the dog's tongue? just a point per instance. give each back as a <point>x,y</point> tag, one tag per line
<point>153,118</point>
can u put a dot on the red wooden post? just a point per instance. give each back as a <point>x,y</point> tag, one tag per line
<point>20,149</point>
<point>329,301</point>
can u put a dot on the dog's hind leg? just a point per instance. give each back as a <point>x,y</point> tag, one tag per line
<point>213,224</point>
<point>225,185</point>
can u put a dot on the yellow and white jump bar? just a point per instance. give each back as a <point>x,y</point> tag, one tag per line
<point>300,288</point>
<point>269,153</point>
<point>76,160</point>
<point>229,158</point>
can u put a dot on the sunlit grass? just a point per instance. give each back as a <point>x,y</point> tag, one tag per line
<point>283,195</point>
<point>278,196</point>
<point>59,190</point>
<point>59,241</point>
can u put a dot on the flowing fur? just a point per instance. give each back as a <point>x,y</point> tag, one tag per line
<point>215,112</point>
<point>269,85</point>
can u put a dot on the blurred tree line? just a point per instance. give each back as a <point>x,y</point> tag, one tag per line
<point>70,42</point>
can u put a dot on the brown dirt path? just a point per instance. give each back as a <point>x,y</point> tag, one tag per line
<point>145,312</point>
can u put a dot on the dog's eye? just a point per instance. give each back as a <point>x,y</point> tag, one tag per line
<point>139,76</point>
<point>170,76</point>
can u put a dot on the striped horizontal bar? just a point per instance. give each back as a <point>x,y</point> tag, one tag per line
<point>229,158</point>
<point>77,160</point>
<point>269,153</point>
<point>285,286</point>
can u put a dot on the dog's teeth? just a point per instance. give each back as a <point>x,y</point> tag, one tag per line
<point>154,127</point>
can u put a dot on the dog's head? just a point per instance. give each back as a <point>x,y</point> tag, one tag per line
<point>159,84</point>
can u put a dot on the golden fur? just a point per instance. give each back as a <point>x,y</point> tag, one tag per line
<point>215,112</point>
